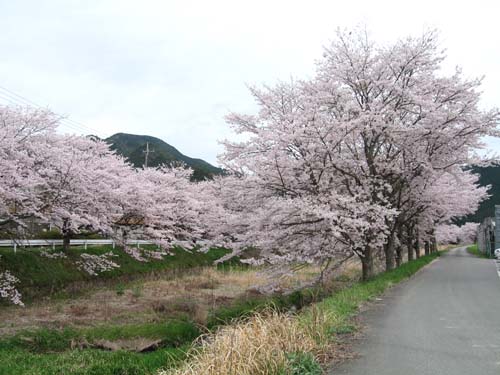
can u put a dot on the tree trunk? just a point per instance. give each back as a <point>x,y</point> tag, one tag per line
<point>399,255</point>
<point>409,243</point>
<point>399,247</point>
<point>367,264</point>
<point>427,248</point>
<point>66,232</point>
<point>389,253</point>
<point>417,245</point>
<point>434,248</point>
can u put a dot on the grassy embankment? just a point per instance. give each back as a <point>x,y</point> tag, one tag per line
<point>50,351</point>
<point>40,276</point>
<point>473,249</point>
<point>282,344</point>
<point>65,350</point>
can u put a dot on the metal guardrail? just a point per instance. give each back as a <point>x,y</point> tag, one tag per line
<point>54,243</point>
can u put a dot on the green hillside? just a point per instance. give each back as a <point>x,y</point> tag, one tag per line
<point>487,176</point>
<point>131,146</point>
<point>40,276</point>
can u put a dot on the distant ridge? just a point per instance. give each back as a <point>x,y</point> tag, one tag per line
<point>489,175</point>
<point>131,146</point>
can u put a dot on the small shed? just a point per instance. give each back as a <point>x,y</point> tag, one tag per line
<point>131,219</point>
<point>130,224</point>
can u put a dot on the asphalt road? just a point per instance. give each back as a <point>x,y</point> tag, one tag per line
<point>445,320</point>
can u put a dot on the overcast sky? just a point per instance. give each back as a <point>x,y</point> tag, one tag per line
<point>173,69</point>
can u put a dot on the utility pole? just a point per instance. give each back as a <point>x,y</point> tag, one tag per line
<point>146,156</point>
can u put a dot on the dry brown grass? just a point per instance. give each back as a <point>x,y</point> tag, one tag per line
<point>257,346</point>
<point>191,293</point>
<point>316,320</point>
<point>260,345</point>
<point>78,310</point>
<point>351,270</point>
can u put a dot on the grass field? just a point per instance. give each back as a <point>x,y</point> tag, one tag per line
<point>67,348</point>
<point>56,351</point>
<point>473,249</point>
<point>171,302</point>
<point>40,276</point>
<point>290,344</point>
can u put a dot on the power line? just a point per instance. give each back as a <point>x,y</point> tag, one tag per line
<point>12,100</point>
<point>73,125</point>
<point>16,99</point>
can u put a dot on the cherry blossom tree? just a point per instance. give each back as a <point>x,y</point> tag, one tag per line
<point>26,138</point>
<point>81,184</point>
<point>454,234</point>
<point>68,181</point>
<point>364,158</point>
<point>435,201</point>
<point>173,210</point>
<point>346,150</point>
<point>77,183</point>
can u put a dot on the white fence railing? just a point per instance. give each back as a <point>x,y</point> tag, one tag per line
<point>54,243</point>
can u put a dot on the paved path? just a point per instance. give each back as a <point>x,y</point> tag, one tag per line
<point>445,320</point>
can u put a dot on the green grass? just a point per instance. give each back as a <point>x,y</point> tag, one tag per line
<point>473,249</point>
<point>173,333</point>
<point>47,351</point>
<point>245,307</point>
<point>40,276</point>
<point>87,362</point>
<point>301,364</point>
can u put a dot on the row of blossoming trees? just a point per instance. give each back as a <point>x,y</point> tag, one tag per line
<point>365,158</point>
<point>77,183</point>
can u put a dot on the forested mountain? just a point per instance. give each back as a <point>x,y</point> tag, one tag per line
<point>488,176</point>
<point>132,147</point>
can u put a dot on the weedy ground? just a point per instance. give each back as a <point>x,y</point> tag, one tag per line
<point>148,299</point>
<point>144,302</point>
<point>474,250</point>
<point>173,309</point>
<point>274,343</point>
<point>60,278</point>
